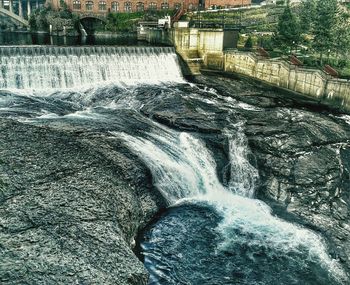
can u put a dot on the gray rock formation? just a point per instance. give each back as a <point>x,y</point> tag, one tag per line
<point>69,210</point>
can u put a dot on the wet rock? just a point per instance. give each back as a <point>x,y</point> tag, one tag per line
<point>69,210</point>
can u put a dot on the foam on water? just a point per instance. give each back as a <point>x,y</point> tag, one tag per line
<point>43,68</point>
<point>184,170</point>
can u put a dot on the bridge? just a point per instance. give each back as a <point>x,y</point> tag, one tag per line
<point>8,10</point>
<point>13,16</point>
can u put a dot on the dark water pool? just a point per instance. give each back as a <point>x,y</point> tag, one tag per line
<point>183,247</point>
<point>25,38</point>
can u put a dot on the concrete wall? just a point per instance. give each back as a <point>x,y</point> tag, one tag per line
<point>310,82</point>
<point>208,48</point>
<point>196,42</point>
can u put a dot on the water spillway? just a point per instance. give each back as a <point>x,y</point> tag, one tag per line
<point>42,68</point>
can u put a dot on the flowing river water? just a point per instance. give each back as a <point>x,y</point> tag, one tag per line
<point>214,230</point>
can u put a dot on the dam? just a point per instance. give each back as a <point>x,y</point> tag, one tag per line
<point>116,169</point>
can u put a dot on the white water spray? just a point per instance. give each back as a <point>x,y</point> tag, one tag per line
<point>184,170</point>
<point>42,68</point>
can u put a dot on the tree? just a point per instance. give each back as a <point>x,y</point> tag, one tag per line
<point>266,43</point>
<point>249,43</point>
<point>288,30</point>
<point>342,33</point>
<point>307,15</point>
<point>324,26</point>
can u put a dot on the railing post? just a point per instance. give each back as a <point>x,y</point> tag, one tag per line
<point>11,6</point>
<point>20,10</point>
<point>28,8</point>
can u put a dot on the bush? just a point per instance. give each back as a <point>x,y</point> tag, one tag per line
<point>249,43</point>
<point>266,43</point>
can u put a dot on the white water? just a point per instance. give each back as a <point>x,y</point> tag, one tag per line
<point>42,68</point>
<point>184,170</point>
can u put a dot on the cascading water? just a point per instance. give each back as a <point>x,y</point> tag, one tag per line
<point>213,233</point>
<point>185,172</point>
<point>43,68</point>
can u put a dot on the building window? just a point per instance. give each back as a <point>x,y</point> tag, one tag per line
<point>115,6</point>
<point>177,6</point>
<point>76,5</point>
<point>89,5</point>
<point>165,6</point>
<point>102,6</point>
<point>127,7</point>
<point>152,6</point>
<point>140,7</point>
<point>190,6</point>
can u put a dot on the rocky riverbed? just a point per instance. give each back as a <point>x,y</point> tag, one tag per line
<point>73,196</point>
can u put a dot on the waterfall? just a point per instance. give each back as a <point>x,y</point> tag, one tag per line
<point>243,175</point>
<point>184,170</point>
<point>42,68</point>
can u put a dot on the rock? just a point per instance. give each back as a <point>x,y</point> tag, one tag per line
<point>68,209</point>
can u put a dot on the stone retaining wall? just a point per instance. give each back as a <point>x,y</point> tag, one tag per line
<point>310,82</point>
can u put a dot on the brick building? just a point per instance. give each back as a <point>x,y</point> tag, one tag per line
<point>119,6</point>
<point>226,3</point>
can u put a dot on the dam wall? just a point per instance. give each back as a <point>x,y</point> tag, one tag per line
<point>311,82</point>
<point>215,49</point>
<point>204,46</point>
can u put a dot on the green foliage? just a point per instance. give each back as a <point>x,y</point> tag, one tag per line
<point>38,20</point>
<point>324,25</point>
<point>288,29</point>
<point>342,33</point>
<point>280,2</point>
<point>249,43</point>
<point>63,5</point>
<point>307,15</point>
<point>122,21</point>
<point>266,42</point>
<point>42,18</point>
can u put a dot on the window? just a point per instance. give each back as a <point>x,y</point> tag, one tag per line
<point>115,6</point>
<point>177,6</point>
<point>76,5</point>
<point>152,6</point>
<point>102,6</point>
<point>190,6</point>
<point>140,7</point>
<point>89,5</point>
<point>127,7</point>
<point>165,6</point>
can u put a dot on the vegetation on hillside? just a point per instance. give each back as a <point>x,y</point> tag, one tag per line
<point>257,19</point>
<point>124,22</point>
<point>317,31</point>
<point>42,18</point>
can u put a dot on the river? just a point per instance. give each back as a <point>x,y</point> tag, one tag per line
<point>115,137</point>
